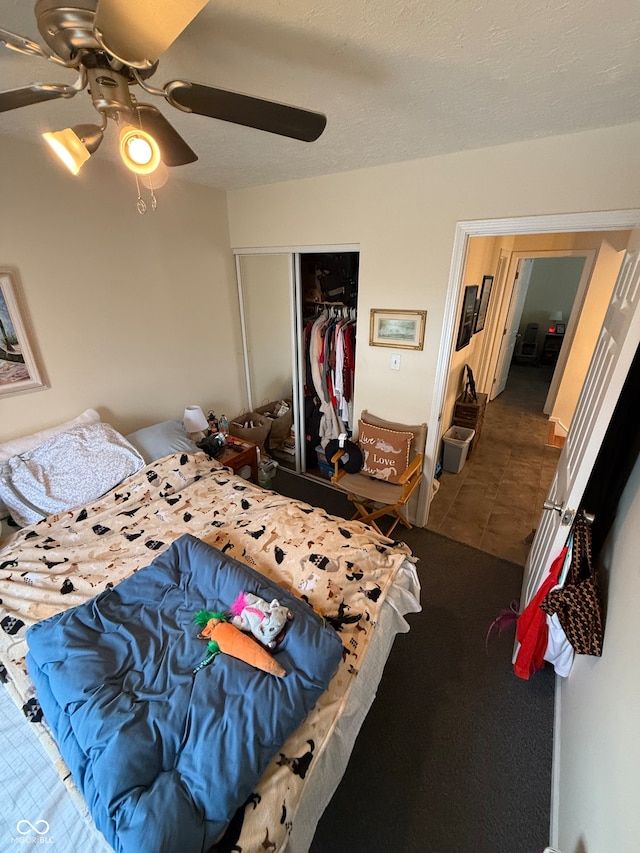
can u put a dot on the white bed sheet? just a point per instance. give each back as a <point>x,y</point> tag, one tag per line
<point>37,808</point>
<point>329,767</point>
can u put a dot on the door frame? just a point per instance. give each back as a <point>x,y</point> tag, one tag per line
<point>604,220</point>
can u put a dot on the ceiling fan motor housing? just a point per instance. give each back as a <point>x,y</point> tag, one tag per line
<point>67,29</point>
<point>108,87</point>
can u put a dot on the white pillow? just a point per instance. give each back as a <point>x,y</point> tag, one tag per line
<point>26,442</point>
<point>67,471</point>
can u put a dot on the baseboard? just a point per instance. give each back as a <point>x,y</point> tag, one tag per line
<point>555,765</point>
<point>554,440</point>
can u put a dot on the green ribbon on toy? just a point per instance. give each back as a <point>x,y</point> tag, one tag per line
<point>214,649</point>
<point>201,618</point>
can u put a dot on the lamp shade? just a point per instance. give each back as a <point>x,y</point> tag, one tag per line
<point>556,317</point>
<point>69,148</point>
<point>194,419</point>
<point>74,145</point>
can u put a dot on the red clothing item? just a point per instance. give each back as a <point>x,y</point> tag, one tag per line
<point>531,630</point>
<point>349,363</point>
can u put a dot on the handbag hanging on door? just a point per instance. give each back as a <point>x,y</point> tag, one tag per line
<point>577,603</point>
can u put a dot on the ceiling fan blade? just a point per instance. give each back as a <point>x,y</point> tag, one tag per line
<point>13,99</point>
<point>173,148</point>
<point>20,44</point>
<point>144,29</point>
<point>253,112</point>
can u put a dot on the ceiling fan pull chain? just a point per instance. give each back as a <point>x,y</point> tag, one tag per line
<point>142,207</point>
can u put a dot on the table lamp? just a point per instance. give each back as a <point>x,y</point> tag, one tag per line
<point>195,423</point>
<point>554,319</point>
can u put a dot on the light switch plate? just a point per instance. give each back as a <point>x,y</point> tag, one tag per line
<point>395,361</point>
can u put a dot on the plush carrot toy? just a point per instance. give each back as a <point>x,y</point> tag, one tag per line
<point>225,637</point>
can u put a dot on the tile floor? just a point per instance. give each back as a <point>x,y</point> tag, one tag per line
<point>494,503</point>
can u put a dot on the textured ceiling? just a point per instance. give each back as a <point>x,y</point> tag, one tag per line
<point>397,79</point>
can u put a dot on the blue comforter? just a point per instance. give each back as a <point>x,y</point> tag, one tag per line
<point>163,756</point>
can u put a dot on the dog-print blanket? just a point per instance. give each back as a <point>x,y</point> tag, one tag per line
<point>343,569</point>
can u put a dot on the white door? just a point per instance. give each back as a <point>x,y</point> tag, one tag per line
<point>511,326</point>
<point>614,352</point>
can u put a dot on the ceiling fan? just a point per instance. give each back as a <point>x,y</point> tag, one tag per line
<point>115,45</point>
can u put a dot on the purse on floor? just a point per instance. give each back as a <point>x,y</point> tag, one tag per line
<point>577,603</point>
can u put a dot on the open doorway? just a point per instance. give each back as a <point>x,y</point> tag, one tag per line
<point>545,293</point>
<point>542,298</point>
<point>474,508</point>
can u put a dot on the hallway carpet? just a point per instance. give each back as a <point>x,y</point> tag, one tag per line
<point>455,754</point>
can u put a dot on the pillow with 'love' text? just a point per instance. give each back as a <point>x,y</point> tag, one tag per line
<point>385,452</point>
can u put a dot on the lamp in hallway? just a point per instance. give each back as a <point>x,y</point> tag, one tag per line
<point>554,319</point>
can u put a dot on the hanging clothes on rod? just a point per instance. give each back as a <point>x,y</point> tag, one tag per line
<point>343,367</point>
<point>330,367</point>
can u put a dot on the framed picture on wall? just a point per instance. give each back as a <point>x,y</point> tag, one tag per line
<point>18,369</point>
<point>467,316</point>
<point>485,293</point>
<point>398,329</point>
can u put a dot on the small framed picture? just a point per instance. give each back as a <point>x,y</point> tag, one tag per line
<point>560,328</point>
<point>398,329</point>
<point>485,293</point>
<point>18,368</point>
<point>467,316</point>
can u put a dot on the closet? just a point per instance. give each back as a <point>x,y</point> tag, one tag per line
<point>298,311</point>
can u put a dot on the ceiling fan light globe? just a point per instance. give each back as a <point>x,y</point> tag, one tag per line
<point>139,150</point>
<point>69,148</point>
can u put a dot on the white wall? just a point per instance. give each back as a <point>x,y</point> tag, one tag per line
<point>133,315</point>
<point>403,217</point>
<point>599,743</point>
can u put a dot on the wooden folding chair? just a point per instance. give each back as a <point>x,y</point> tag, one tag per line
<point>374,498</point>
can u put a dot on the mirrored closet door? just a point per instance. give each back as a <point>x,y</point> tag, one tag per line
<point>298,313</point>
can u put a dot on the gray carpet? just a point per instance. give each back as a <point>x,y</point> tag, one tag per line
<point>455,754</point>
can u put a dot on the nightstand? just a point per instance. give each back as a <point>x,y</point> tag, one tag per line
<point>237,459</point>
<point>551,349</point>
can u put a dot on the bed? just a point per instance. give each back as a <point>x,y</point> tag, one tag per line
<point>348,590</point>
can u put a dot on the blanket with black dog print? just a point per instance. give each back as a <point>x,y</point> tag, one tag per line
<point>343,569</point>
